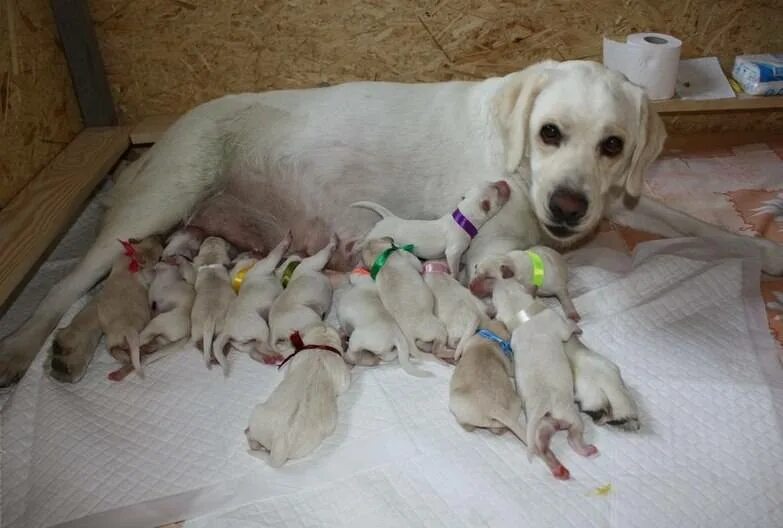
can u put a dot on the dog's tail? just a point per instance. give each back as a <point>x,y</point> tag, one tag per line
<point>134,346</point>
<point>513,423</point>
<point>220,353</point>
<point>208,333</point>
<point>405,346</point>
<point>374,207</point>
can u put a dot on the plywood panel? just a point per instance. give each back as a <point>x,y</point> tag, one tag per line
<point>38,111</point>
<point>165,56</point>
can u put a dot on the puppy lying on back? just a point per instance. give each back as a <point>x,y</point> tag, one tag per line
<point>374,334</point>
<point>407,298</point>
<point>449,235</point>
<point>123,308</point>
<point>481,393</point>
<point>246,328</point>
<point>543,374</point>
<point>302,410</point>
<point>305,300</point>
<point>213,294</point>
<point>543,270</point>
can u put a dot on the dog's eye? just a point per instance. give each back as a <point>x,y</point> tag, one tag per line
<point>611,146</point>
<point>550,134</point>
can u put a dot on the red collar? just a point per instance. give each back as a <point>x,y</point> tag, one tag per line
<point>296,340</point>
<point>130,251</point>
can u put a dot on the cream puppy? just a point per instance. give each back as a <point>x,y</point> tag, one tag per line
<point>171,297</point>
<point>184,242</point>
<point>374,334</point>
<point>302,410</point>
<point>543,270</point>
<point>406,296</point>
<point>213,294</point>
<point>246,328</point>
<point>481,393</point>
<point>458,309</point>
<point>599,388</point>
<point>305,300</point>
<point>449,235</point>
<point>544,378</point>
<point>123,308</point>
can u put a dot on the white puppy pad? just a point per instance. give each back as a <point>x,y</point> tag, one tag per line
<point>684,322</point>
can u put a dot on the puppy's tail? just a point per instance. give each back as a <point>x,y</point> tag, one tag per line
<point>404,347</point>
<point>514,424</point>
<point>208,333</point>
<point>220,354</point>
<point>134,345</point>
<point>374,207</point>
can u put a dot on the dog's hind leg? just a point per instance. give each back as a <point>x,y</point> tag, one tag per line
<point>152,196</point>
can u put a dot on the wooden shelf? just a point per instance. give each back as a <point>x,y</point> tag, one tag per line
<point>44,209</point>
<point>741,103</point>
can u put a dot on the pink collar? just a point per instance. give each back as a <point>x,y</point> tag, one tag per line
<point>435,266</point>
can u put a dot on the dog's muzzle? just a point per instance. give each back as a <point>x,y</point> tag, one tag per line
<point>567,208</point>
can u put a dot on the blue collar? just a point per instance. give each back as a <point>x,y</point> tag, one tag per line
<point>505,346</point>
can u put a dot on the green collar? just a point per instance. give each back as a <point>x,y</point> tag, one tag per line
<point>538,268</point>
<point>384,256</point>
<point>288,271</point>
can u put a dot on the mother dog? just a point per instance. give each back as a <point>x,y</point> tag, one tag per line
<point>572,137</point>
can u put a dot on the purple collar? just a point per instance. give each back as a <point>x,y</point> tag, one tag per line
<point>464,223</point>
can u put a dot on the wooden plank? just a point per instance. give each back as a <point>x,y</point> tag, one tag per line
<point>741,103</point>
<point>151,128</point>
<point>42,211</point>
<point>85,63</point>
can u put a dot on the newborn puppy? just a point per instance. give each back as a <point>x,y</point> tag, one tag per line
<point>543,374</point>
<point>599,388</point>
<point>213,294</point>
<point>374,334</point>
<point>246,328</point>
<point>184,242</point>
<point>481,393</point>
<point>407,298</point>
<point>449,235</point>
<point>302,410</point>
<point>459,310</point>
<point>171,295</point>
<point>123,308</point>
<point>543,270</point>
<point>305,300</point>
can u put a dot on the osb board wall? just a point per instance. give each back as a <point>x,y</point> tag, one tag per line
<point>165,56</point>
<point>38,111</point>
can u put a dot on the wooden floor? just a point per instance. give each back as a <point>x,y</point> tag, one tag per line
<point>44,209</point>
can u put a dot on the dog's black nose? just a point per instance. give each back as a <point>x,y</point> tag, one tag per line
<point>567,206</point>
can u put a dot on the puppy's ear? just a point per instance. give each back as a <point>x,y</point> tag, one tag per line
<point>513,104</point>
<point>652,135</point>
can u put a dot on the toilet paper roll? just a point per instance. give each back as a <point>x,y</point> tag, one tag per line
<point>647,59</point>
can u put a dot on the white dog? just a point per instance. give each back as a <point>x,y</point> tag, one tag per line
<point>544,378</point>
<point>246,328</point>
<point>571,138</point>
<point>374,334</point>
<point>302,410</point>
<point>304,302</point>
<point>449,235</point>
<point>543,270</point>
<point>213,294</point>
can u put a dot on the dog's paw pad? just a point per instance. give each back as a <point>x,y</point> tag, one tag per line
<point>627,424</point>
<point>598,416</point>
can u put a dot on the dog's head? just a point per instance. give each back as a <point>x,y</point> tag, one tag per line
<point>577,133</point>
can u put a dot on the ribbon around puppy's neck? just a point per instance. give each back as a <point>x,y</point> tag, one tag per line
<point>296,340</point>
<point>288,271</point>
<point>538,268</point>
<point>505,346</point>
<point>384,256</point>
<point>465,223</point>
<point>130,251</point>
<point>239,278</point>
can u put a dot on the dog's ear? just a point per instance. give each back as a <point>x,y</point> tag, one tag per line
<point>652,135</point>
<point>513,104</point>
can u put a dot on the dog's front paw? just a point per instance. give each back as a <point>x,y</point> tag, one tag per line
<point>71,354</point>
<point>15,358</point>
<point>609,406</point>
<point>771,257</point>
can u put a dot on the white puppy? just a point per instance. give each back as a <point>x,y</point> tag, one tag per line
<point>458,309</point>
<point>406,296</point>
<point>246,328</point>
<point>449,235</point>
<point>306,299</point>
<point>185,242</point>
<point>543,270</point>
<point>302,410</point>
<point>543,374</point>
<point>599,388</point>
<point>481,393</point>
<point>374,334</point>
<point>213,294</point>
